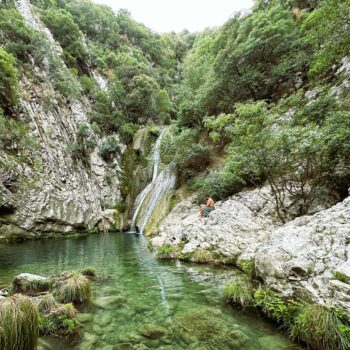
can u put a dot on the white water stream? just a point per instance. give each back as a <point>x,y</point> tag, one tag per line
<point>162,183</point>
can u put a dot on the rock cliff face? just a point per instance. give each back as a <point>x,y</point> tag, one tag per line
<point>307,257</point>
<point>65,195</point>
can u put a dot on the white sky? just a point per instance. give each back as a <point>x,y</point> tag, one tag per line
<point>176,15</point>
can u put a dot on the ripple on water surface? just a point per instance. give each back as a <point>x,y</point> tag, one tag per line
<point>146,304</point>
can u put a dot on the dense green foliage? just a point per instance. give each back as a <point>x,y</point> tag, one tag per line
<point>8,79</point>
<point>240,92</point>
<point>245,85</point>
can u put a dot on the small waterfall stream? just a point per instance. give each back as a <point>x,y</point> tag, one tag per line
<point>162,183</point>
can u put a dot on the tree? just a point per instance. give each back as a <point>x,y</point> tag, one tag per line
<point>8,79</point>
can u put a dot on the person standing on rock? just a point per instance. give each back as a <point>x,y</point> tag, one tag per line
<point>206,209</point>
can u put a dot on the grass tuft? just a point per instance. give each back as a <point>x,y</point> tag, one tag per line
<point>322,327</point>
<point>47,303</point>
<point>202,256</point>
<point>167,252</point>
<point>19,323</point>
<point>89,272</point>
<point>75,289</point>
<point>341,277</point>
<point>239,293</point>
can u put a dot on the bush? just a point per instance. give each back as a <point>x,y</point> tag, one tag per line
<point>109,148</point>
<point>67,33</point>
<point>21,41</point>
<point>85,144</point>
<point>8,79</point>
<point>19,323</point>
<point>181,149</point>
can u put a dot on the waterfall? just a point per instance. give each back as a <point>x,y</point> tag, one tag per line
<point>162,183</point>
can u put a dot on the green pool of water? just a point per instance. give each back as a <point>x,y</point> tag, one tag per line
<point>183,302</point>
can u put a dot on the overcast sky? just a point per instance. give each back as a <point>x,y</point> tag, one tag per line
<point>168,15</point>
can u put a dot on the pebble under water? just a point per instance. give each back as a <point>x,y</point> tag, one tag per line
<point>146,304</point>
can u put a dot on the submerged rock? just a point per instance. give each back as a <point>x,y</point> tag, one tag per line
<point>109,302</point>
<point>83,318</point>
<point>152,331</point>
<point>206,328</point>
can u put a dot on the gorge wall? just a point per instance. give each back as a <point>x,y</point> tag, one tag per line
<point>65,195</point>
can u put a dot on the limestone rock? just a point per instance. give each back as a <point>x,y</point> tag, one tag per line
<point>237,226</point>
<point>307,257</point>
<point>64,195</point>
<point>305,254</point>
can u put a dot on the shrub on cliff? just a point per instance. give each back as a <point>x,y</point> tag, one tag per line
<point>109,148</point>
<point>8,79</point>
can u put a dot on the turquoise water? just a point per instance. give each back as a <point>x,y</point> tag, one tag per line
<point>182,302</point>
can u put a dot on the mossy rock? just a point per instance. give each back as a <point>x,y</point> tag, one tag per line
<point>84,317</point>
<point>60,321</point>
<point>207,328</point>
<point>152,331</point>
<point>167,252</point>
<point>30,284</point>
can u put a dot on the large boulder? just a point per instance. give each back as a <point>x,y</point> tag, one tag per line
<point>235,229</point>
<point>310,256</point>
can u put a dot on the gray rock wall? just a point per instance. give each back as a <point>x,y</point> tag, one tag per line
<point>63,195</point>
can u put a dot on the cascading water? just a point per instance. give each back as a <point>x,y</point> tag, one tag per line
<point>162,183</point>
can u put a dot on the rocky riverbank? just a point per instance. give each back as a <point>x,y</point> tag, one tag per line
<point>307,257</point>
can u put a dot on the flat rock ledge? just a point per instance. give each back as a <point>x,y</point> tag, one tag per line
<point>308,257</point>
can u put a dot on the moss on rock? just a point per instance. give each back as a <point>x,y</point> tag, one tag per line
<point>167,252</point>
<point>59,320</point>
<point>152,331</point>
<point>205,328</point>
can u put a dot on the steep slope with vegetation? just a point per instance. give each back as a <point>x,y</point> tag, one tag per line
<point>268,94</point>
<point>270,88</point>
<point>77,81</point>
